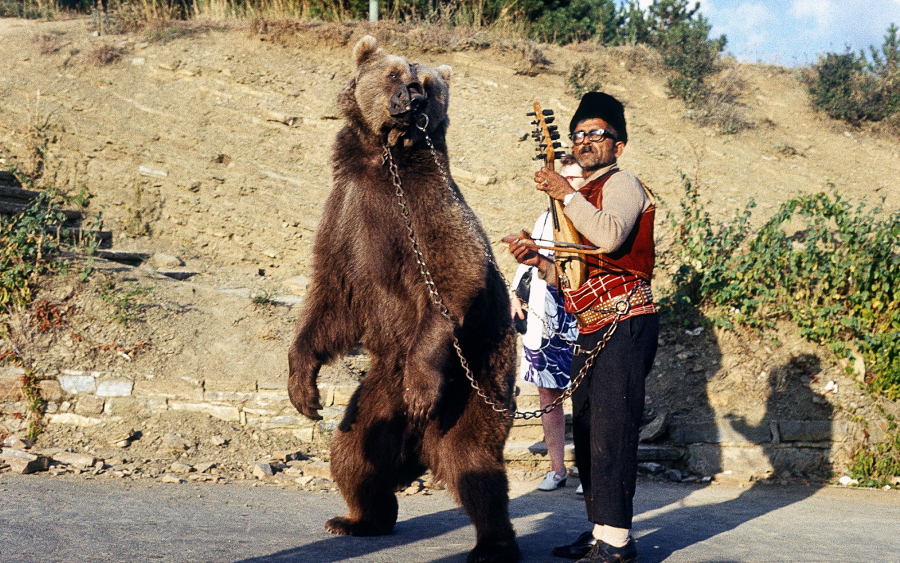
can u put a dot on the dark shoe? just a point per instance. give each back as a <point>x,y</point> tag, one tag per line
<point>578,548</point>
<point>602,552</point>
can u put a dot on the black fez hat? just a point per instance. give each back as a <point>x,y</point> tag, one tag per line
<point>604,106</point>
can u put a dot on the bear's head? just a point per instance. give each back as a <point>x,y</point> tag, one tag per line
<point>391,98</point>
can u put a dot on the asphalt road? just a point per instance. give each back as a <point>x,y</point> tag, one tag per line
<point>61,519</point>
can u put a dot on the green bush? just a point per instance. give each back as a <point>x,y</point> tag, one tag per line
<point>571,21</point>
<point>690,56</point>
<point>874,466</point>
<point>851,88</point>
<point>25,250</point>
<point>837,277</point>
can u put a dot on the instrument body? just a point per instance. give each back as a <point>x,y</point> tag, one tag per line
<point>571,267</point>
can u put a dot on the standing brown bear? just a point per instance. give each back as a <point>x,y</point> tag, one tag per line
<point>381,237</point>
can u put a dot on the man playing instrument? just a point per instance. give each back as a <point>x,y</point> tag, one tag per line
<point>617,321</point>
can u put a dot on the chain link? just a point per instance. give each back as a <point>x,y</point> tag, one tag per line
<point>388,159</point>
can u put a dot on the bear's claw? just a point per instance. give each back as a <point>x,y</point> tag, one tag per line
<point>344,526</point>
<point>495,552</point>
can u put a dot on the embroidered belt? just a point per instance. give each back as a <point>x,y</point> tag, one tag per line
<point>620,306</point>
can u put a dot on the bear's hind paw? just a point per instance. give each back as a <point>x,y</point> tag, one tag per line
<point>495,552</point>
<point>344,526</point>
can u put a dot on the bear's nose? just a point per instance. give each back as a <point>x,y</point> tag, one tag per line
<point>408,98</point>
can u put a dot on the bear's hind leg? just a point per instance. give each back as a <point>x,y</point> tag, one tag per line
<point>475,473</point>
<point>368,462</point>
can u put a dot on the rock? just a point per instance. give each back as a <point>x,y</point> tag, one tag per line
<point>650,467</point>
<point>288,455</point>
<point>413,488</point>
<point>165,261</point>
<point>317,469</point>
<point>656,428</point>
<point>123,439</point>
<point>181,468</point>
<point>17,443</point>
<point>204,467</point>
<point>51,390</point>
<point>171,479</point>
<point>261,470</point>
<point>673,475</point>
<point>218,441</point>
<point>305,480</point>
<point>89,404</point>
<point>174,443</point>
<point>848,481</point>
<point>81,461</point>
<point>24,462</point>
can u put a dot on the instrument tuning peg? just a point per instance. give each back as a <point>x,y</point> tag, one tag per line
<point>556,145</point>
<point>553,127</point>
<point>547,112</point>
<point>530,113</point>
<point>554,136</point>
<point>550,119</point>
<point>540,157</point>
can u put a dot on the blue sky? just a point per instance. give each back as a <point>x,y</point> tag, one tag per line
<point>794,32</point>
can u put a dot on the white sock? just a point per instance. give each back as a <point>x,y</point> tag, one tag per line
<point>616,537</point>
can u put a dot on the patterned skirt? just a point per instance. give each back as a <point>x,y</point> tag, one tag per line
<point>549,365</point>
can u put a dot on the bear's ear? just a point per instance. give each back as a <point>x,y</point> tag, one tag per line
<point>364,49</point>
<point>445,72</point>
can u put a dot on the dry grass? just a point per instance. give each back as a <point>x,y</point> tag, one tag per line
<point>722,107</point>
<point>103,55</point>
<point>47,43</point>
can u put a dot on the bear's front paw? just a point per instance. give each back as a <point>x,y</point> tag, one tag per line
<point>421,405</point>
<point>305,398</point>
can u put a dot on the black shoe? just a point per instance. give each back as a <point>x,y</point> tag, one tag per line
<point>602,552</point>
<point>578,548</point>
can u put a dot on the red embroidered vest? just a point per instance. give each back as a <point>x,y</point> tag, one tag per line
<point>637,254</point>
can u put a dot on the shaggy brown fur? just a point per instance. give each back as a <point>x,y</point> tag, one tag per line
<point>415,409</point>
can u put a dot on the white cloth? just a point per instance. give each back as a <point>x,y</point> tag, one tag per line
<point>537,299</point>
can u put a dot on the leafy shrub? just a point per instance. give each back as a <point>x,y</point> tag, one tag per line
<point>25,250</point>
<point>837,278</point>
<point>873,466</point>
<point>570,21</point>
<point>690,56</point>
<point>849,87</point>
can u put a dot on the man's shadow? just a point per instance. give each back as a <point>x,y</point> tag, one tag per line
<point>719,444</point>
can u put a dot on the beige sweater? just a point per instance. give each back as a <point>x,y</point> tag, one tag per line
<point>624,200</point>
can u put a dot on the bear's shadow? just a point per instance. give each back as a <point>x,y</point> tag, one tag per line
<point>550,519</point>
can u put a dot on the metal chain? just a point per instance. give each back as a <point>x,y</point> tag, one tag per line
<point>387,158</point>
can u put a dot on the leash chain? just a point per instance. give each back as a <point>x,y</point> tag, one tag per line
<point>387,159</point>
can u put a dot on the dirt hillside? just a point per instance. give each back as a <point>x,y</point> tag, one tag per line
<point>208,148</point>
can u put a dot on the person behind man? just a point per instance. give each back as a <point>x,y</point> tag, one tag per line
<point>612,211</point>
<point>547,349</point>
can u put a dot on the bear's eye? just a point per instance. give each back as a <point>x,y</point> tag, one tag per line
<point>394,75</point>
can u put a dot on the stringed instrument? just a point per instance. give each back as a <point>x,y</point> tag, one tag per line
<point>571,267</point>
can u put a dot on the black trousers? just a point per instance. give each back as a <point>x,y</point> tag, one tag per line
<point>607,411</point>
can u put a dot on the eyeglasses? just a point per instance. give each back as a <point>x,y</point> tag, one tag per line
<point>594,135</point>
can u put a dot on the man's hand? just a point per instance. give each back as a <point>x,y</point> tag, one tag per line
<point>523,249</point>
<point>552,183</point>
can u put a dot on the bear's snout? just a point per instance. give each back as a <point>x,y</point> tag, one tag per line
<point>408,100</point>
